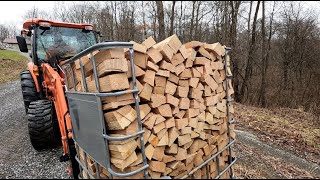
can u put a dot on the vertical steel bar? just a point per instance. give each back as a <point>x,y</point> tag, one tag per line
<point>81,171</point>
<point>101,116</point>
<point>65,77</point>
<point>208,173</point>
<point>226,58</point>
<point>80,167</point>
<point>218,164</point>
<point>84,168</point>
<point>83,77</point>
<point>138,111</point>
<point>95,72</point>
<point>97,170</point>
<point>73,80</point>
<point>85,160</point>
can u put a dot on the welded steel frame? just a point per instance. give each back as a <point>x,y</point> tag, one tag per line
<point>108,45</point>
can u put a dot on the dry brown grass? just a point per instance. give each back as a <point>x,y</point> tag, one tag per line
<point>255,164</point>
<point>244,172</point>
<point>291,129</point>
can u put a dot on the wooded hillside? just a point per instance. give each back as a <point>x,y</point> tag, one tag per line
<point>275,45</point>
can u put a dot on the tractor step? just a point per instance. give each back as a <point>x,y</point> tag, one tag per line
<point>64,158</point>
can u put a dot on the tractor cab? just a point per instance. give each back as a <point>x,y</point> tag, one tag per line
<point>43,83</point>
<point>55,41</point>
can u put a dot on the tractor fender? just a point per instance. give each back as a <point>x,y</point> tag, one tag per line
<point>34,73</point>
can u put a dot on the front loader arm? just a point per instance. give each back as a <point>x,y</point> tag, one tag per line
<point>53,84</point>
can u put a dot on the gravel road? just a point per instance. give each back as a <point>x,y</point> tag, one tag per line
<point>18,159</point>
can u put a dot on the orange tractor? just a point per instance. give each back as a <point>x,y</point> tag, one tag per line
<point>43,84</point>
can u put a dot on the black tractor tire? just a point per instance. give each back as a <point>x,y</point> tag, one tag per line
<point>28,88</point>
<point>43,125</point>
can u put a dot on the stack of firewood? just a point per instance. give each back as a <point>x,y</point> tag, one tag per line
<point>182,91</point>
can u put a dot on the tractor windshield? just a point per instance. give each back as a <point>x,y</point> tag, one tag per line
<point>59,42</point>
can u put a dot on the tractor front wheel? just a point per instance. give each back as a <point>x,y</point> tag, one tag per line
<point>43,126</point>
<point>28,88</point>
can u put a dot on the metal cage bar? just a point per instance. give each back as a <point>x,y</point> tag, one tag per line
<point>84,168</point>
<point>225,170</point>
<point>138,112</point>
<point>83,76</point>
<point>96,78</point>
<point>226,59</point>
<point>119,93</point>
<point>72,77</point>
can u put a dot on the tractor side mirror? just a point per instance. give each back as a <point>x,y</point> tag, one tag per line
<point>22,44</point>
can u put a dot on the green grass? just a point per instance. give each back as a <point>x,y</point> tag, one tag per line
<point>12,55</point>
<point>12,63</point>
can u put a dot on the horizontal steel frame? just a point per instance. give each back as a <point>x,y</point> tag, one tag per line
<point>100,46</point>
<point>127,174</point>
<point>119,93</point>
<point>122,137</point>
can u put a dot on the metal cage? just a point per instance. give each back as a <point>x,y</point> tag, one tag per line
<point>88,124</point>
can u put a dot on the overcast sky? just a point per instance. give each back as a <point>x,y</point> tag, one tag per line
<point>11,12</point>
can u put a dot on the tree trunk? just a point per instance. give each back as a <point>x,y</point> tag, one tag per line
<point>184,25</point>
<point>144,34</point>
<point>197,22</point>
<point>172,17</point>
<point>264,101</point>
<point>180,21</point>
<point>160,20</point>
<point>233,37</point>
<point>192,19</point>
<point>154,18</point>
<point>115,20</point>
<point>262,97</point>
<point>248,69</point>
<point>132,23</point>
<point>249,20</point>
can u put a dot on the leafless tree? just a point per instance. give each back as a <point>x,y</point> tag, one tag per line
<point>274,57</point>
<point>160,14</point>
<point>235,5</point>
<point>172,17</point>
<point>4,32</point>
<point>36,13</point>
<point>248,69</point>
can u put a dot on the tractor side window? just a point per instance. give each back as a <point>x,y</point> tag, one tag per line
<point>45,41</point>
